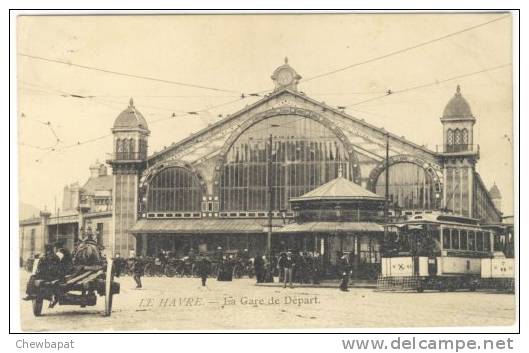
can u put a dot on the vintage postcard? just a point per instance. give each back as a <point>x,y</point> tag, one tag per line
<point>265,171</point>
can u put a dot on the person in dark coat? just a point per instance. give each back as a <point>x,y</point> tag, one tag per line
<point>66,258</point>
<point>344,267</point>
<point>258,264</point>
<point>316,268</point>
<point>137,271</point>
<point>48,269</point>
<point>286,262</point>
<point>203,268</point>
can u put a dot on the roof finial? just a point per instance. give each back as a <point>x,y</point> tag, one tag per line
<point>286,59</point>
<point>340,171</point>
<point>131,102</point>
<point>458,89</point>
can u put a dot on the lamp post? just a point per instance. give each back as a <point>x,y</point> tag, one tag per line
<point>270,198</point>
<point>386,193</point>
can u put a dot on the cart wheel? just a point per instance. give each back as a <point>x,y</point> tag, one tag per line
<point>37,306</point>
<point>108,286</point>
<point>170,271</point>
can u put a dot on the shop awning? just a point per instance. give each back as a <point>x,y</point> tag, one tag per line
<point>203,226</point>
<point>331,227</point>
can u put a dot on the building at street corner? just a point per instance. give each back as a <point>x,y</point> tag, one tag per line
<point>299,158</point>
<point>86,206</point>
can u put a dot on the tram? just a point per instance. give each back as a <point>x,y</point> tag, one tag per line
<point>437,251</point>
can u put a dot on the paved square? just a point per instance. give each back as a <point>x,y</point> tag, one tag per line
<point>182,304</point>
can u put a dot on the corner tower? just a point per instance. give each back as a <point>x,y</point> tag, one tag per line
<point>128,161</point>
<point>459,155</point>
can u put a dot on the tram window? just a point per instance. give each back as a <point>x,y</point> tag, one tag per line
<point>446,238</point>
<point>463,239</point>
<point>479,241</point>
<point>471,240</point>
<point>455,239</point>
<point>486,242</point>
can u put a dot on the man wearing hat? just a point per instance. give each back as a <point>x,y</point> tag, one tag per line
<point>345,272</point>
<point>137,271</point>
<point>203,268</point>
<point>286,262</point>
<point>65,258</point>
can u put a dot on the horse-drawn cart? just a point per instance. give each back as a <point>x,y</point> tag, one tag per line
<point>91,274</point>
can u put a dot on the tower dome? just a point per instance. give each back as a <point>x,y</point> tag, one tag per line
<point>494,192</point>
<point>130,118</point>
<point>458,108</point>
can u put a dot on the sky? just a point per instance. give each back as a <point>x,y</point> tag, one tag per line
<point>234,54</point>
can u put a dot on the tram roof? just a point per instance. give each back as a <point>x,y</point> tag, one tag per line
<point>441,218</point>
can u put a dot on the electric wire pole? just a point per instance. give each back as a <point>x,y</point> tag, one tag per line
<point>270,201</point>
<point>386,194</point>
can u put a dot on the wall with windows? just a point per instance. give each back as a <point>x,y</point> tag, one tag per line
<point>458,135</point>
<point>305,155</point>
<point>128,146</point>
<point>457,140</point>
<point>101,226</point>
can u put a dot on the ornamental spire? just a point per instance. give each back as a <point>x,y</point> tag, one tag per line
<point>131,103</point>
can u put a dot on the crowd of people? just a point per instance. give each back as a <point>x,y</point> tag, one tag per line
<point>289,267</point>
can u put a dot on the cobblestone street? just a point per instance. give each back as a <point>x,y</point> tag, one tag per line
<point>182,304</point>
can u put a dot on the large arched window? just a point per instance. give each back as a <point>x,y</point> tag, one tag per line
<point>305,155</point>
<point>174,189</point>
<point>410,186</point>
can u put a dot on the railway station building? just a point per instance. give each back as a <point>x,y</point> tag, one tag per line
<point>218,186</point>
<point>320,172</point>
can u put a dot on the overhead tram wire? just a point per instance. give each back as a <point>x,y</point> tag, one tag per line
<point>350,105</point>
<point>79,143</point>
<point>396,52</point>
<point>124,74</point>
<point>400,51</point>
<point>96,98</point>
<point>437,82</point>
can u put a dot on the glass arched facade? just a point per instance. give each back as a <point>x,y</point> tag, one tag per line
<point>174,189</point>
<point>410,186</point>
<point>305,155</point>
